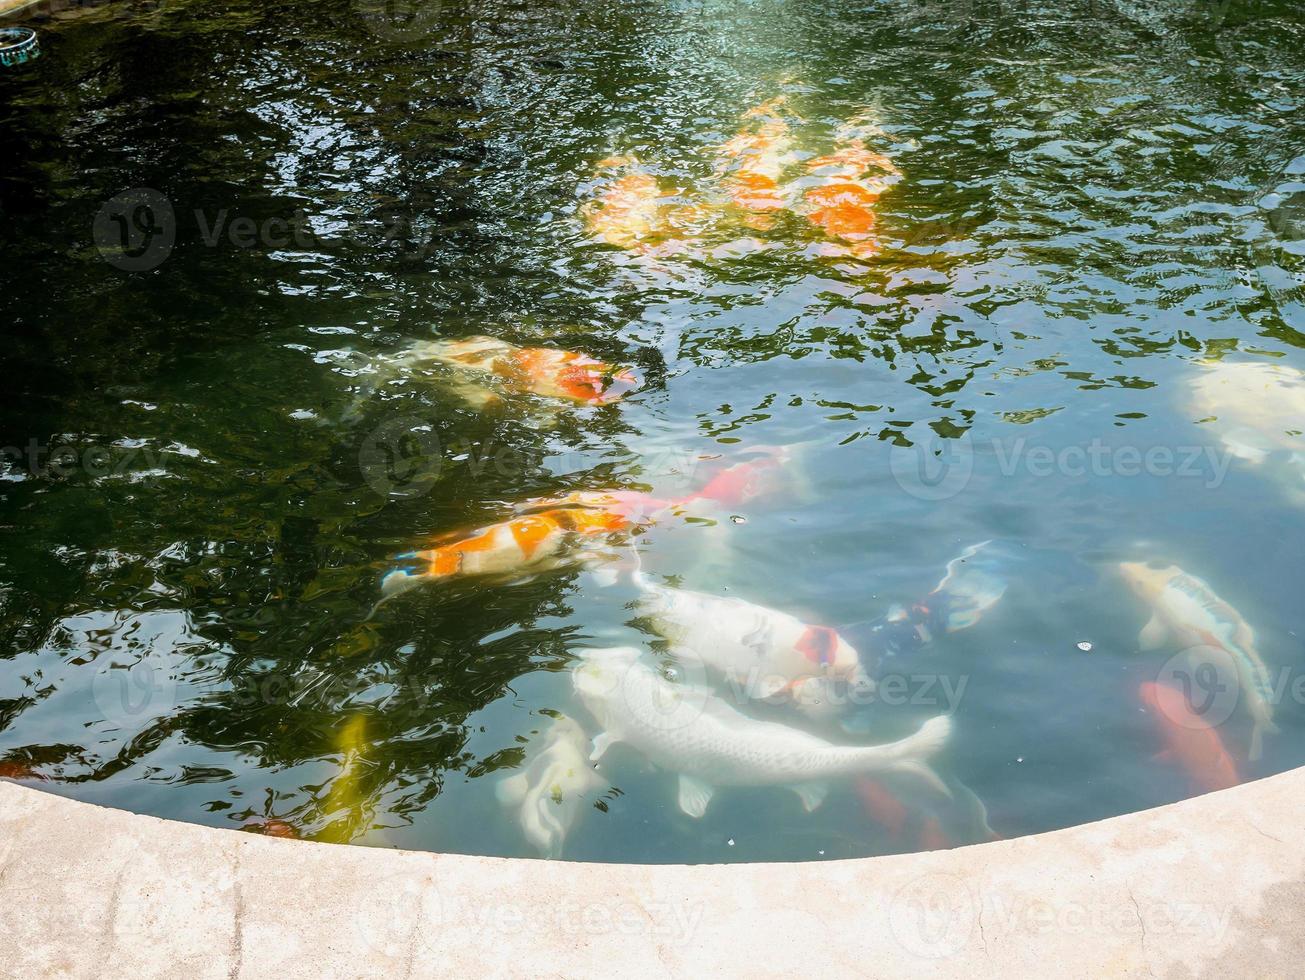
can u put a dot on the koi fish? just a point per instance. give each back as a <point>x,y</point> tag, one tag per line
<point>551,792</point>
<point>272,827</point>
<point>531,542</point>
<point>766,651</point>
<point>754,161</point>
<point>1186,610</point>
<point>958,809</point>
<point>626,214</point>
<point>741,482</point>
<point>1189,739</point>
<point>1258,408</point>
<point>18,769</point>
<point>881,805</point>
<point>348,806</point>
<point>688,731</point>
<point>841,201</point>
<point>974,582</point>
<point>544,371</point>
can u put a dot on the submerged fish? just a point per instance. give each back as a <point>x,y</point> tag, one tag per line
<point>554,788</point>
<point>1189,738</point>
<point>529,543</point>
<point>939,820</point>
<point>709,744</point>
<point>1187,610</point>
<point>764,650</point>
<point>974,582</point>
<point>741,482</point>
<point>545,371</point>
<point>348,806</point>
<point>272,827</point>
<point>627,211</point>
<point>753,161</point>
<point>1257,408</point>
<point>840,198</point>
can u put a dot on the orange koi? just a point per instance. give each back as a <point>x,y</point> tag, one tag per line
<point>626,214</point>
<point>755,159</point>
<point>741,482</point>
<point>881,805</point>
<point>543,371</point>
<point>535,541</point>
<point>18,769</point>
<point>932,837</point>
<point>842,203</point>
<point>1190,740</point>
<point>272,827</point>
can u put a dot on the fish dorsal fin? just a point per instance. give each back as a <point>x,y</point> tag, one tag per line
<point>602,742</point>
<point>694,796</point>
<point>1153,633</point>
<point>811,794</point>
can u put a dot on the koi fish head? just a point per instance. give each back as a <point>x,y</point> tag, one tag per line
<point>596,383</point>
<point>1146,580</point>
<point>831,655</point>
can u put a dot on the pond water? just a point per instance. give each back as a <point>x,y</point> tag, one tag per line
<point>1074,333</point>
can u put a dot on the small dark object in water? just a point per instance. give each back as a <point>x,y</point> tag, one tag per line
<point>272,827</point>
<point>18,44</point>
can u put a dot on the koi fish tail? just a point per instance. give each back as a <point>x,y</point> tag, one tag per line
<point>913,752</point>
<point>1262,727</point>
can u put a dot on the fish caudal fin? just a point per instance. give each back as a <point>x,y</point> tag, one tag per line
<point>1261,729</point>
<point>913,751</point>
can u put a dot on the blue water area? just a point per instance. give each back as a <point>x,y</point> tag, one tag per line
<point>1047,299</point>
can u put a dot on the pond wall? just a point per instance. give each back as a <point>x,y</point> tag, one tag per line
<point>1210,886</point>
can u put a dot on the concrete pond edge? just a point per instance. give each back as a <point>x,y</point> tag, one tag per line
<point>1208,886</point>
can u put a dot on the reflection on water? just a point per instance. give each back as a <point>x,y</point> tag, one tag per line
<point>867,286</point>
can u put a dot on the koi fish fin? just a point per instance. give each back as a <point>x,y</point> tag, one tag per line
<point>399,581</point>
<point>694,796</point>
<point>1166,756</point>
<point>602,742</point>
<point>1153,633</point>
<point>925,773</point>
<point>1261,729</point>
<point>512,790</point>
<point>811,794</point>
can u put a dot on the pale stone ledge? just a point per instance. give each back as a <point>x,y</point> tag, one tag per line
<point>1208,887</point>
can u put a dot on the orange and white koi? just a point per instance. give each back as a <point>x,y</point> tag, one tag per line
<point>841,200</point>
<point>1189,738</point>
<point>754,160</point>
<point>531,542</point>
<point>1186,609</point>
<point>627,212</point>
<point>544,371</point>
